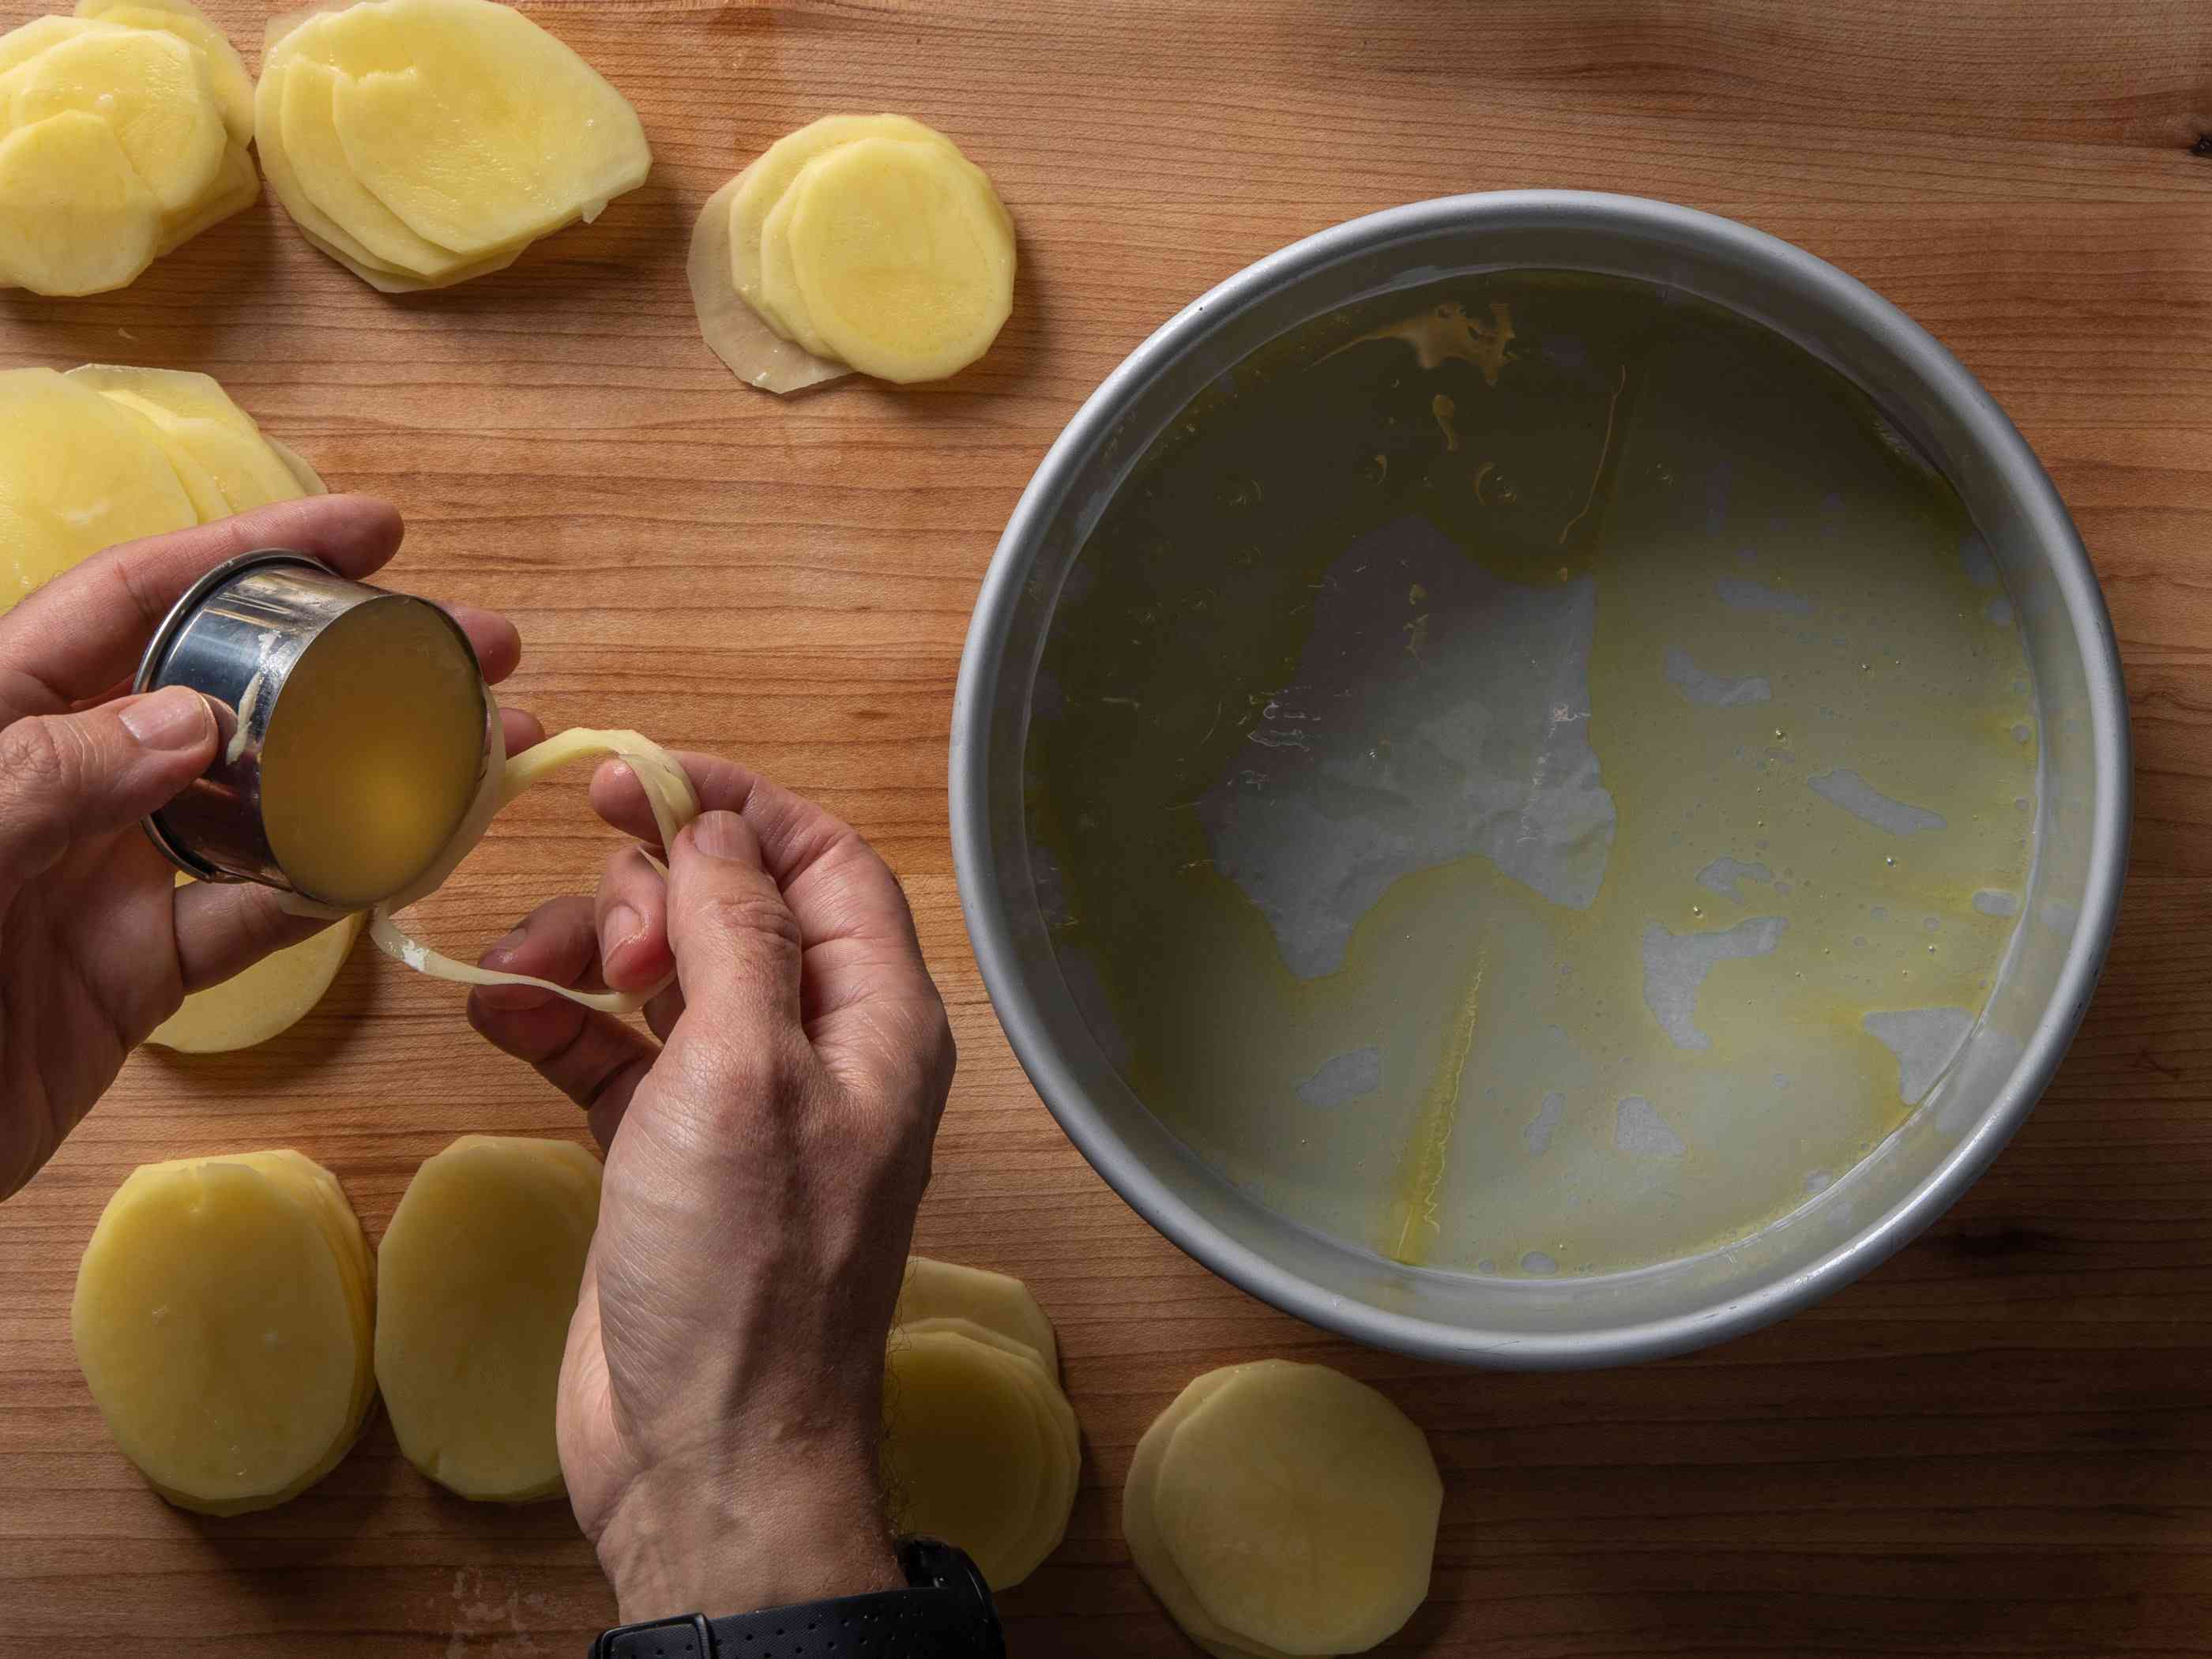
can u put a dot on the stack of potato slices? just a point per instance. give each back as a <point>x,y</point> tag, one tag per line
<point>422,143</point>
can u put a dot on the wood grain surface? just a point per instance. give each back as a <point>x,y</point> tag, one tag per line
<point>1999,1443</point>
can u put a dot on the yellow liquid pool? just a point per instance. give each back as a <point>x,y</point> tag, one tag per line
<point>374,753</point>
<point>1533,776</point>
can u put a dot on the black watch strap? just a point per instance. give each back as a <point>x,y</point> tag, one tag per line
<point>945,1614</point>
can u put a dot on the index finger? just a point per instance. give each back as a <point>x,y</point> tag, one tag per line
<point>857,935</point>
<point>84,630</point>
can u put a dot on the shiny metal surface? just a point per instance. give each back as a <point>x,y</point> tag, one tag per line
<point>2082,817</point>
<point>235,637</point>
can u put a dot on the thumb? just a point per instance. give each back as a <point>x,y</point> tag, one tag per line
<point>66,777</point>
<point>736,943</point>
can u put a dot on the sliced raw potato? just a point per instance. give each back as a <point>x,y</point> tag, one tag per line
<point>182,392</point>
<point>477,1279</point>
<point>320,231</point>
<point>779,302</point>
<point>733,330</point>
<point>1300,1508</point>
<point>105,454</point>
<point>237,187</point>
<point>1148,1553</point>
<point>319,1189</point>
<point>318,160</point>
<point>195,419</point>
<point>762,185</point>
<point>901,256</point>
<point>75,216</point>
<point>310,481</point>
<point>968,1453</point>
<point>206,496</point>
<point>149,89</point>
<point>266,1000</point>
<point>226,70</point>
<point>219,1321</point>
<point>473,124</point>
<point>998,1302</point>
<point>23,43</point>
<point>974,1333</point>
<point>244,469</point>
<point>76,475</point>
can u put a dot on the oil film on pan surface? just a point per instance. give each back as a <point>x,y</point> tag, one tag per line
<point>1533,776</point>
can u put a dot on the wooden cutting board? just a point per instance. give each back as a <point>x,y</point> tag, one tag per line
<point>1998,1443</point>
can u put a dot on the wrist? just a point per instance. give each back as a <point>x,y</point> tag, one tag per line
<point>670,1549</point>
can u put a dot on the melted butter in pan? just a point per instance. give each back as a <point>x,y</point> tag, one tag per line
<point>1533,778</point>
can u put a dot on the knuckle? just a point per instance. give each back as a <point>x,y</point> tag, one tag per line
<point>37,757</point>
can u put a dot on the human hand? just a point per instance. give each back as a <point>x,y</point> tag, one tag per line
<point>98,945</point>
<point>720,1403</point>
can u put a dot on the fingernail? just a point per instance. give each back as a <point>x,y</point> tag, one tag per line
<point>504,949</point>
<point>174,717</point>
<point>623,925</point>
<point>719,834</point>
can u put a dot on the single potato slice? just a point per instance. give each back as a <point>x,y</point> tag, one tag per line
<point>226,70</point>
<point>968,1454</point>
<point>901,256</point>
<point>734,330</point>
<point>266,1000</point>
<point>1301,1507</point>
<point>1148,1553</point>
<point>477,1279</point>
<point>75,216</point>
<point>764,183</point>
<point>998,1302</point>
<point>149,89</point>
<point>76,475</point>
<point>214,1329</point>
<point>474,126</point>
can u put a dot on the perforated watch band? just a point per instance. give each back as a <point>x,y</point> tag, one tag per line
<point>946,1614</point>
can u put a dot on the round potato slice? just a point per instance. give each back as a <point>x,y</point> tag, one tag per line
<point>151,89</point>
<point>212,1326</point>
<point>476,1280</point>
<point>226,70</point>
<point>266,1000</point>
<point>75,216</point>
<point>762,185</point>
<point>967,1453</point>
<point>1148,1553</point>
<point>998,1302</point>
<point>76,475</point>
<point>493,132</point>
<point>1301,1507</point>
<point>733,330</point>
<point>902,255</point>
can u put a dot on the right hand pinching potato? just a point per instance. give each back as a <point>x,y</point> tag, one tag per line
<point>719,1406</point>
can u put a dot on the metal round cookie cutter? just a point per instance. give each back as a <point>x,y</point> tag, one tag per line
<point>235,637</point>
